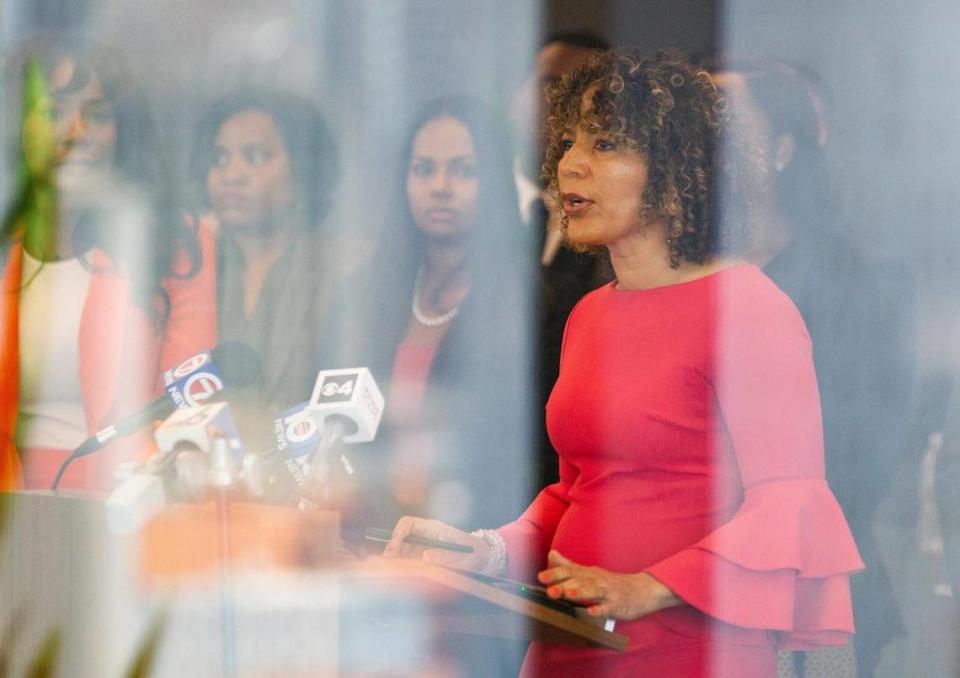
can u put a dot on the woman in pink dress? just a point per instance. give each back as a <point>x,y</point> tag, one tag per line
<point>691,505</point>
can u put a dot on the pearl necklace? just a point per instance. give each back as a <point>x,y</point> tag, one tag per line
<point>423,318</point>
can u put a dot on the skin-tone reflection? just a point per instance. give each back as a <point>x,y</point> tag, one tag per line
<point>252,194</point>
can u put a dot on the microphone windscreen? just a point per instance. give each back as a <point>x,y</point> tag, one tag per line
<point>238,362</point>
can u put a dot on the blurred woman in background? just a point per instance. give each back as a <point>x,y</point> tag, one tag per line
<point>266,167</point>
<point>864,369</point>
<point>103,285</point>
<point>436,319</point>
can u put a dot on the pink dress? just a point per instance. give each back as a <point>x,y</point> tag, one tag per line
<point>687,420</point>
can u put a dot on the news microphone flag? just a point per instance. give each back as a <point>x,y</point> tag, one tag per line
<point>192,427</point>
<point>351,397</point>
<point>193,381</point>
<point>295,431</point>
<point>281,472</point>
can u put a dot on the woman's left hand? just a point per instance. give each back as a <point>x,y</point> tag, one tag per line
<point>605,593</point>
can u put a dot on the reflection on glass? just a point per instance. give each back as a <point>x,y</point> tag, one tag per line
<point>336,186</point>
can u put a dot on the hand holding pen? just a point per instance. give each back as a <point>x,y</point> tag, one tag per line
<point>377,534</point>
<point>409,531</point>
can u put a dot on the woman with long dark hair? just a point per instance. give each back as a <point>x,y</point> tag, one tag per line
<point>103,284</point>
<point>435,317</point>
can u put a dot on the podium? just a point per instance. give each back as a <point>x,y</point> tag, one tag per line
<point>276,605</point>
<point>468,606</point>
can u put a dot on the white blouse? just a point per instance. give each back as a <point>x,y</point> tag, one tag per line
<point>52,297</point>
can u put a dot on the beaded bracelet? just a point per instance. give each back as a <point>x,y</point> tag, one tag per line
<point>496,564</point>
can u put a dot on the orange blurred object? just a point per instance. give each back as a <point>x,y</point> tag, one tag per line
<point>186,541</point>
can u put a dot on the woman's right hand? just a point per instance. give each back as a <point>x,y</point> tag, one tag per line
<point>434,529</point>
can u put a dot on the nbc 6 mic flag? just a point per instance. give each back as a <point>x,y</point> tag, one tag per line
<point>193,381</point>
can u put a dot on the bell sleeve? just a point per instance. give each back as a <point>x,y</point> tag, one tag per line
<point>782,561</point>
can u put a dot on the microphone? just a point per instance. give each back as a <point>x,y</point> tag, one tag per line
<point>347,397</point>
<point>191,383</point>
<point>278,474</point>
<point>197,428</point>
<point>346,405</point>
<point>200,449</point>
<point>211,432</point>
<point>232,365</point>
<point>142,489</point>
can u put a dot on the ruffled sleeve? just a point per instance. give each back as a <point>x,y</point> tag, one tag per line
<point>781,562</point>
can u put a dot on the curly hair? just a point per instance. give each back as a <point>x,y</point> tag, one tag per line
<point>669,110</point>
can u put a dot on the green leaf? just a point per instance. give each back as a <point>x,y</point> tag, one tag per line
<point>38,138</point>
<point>9,639</point>
<point>6,503</point>
<point>34,206</point>
<point>44,664</point>
<point>143,660</point>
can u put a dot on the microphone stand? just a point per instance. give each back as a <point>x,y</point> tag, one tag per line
<point>321,461</point>
<point>222,477</point>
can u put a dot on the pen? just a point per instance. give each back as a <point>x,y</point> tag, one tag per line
<point>378,534</point>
